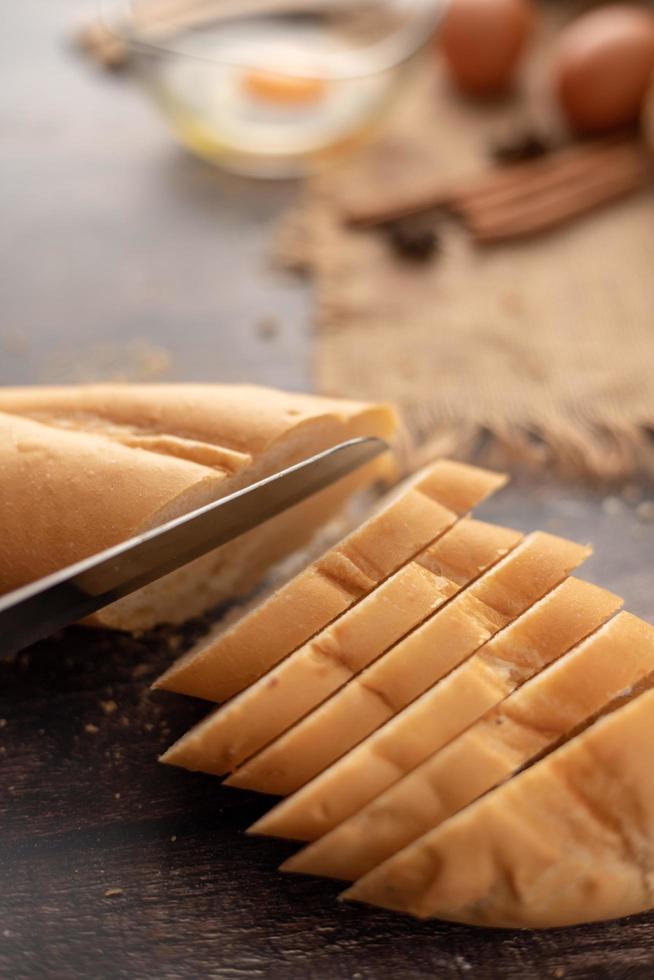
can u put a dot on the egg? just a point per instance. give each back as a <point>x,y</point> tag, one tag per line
<point>602,67</point>
<point>482,41</point>
<point>648,118</point>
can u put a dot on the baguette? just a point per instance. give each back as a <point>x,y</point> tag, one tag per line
<point>569,840</point>
<point>221,666</point>
<point>318,668</point>
<point>86,467</point>
<point>527,722</point>
<point>382,694</point>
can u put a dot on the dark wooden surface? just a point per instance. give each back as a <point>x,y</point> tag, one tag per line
<point>112,866</point>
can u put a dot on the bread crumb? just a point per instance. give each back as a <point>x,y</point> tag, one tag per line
<point>612,506</point>
<point>91,729</point>
<point>116,796</point>
<point>140,670</point>
<point>111,892</point>
<point>138,360</point>
<point>3,722</point>
<point>124,720</point>
<point>645,511</point>
<point>109,707</point>
<point>148,726</point>
<point>631,493</point>
<point>15,343</point>
<point>3,750</point>
<point>173,838</point>
<point>268,328</point>
<point>559,971</point>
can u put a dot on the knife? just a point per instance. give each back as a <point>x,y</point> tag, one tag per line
<point>37,610</point>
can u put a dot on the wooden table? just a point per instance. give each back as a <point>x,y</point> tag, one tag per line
<point>112,866</point>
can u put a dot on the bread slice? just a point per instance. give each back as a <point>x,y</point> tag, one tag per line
<point>387,687</point>
<point>222,666</point>
<point>569,840</point>
<point>528,722</point>
<point>315,670</point>
<point>85,467</point>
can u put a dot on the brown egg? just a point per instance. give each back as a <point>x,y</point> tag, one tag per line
<point>603,65</point>
<point>482,41</point>
<point>648,118</point>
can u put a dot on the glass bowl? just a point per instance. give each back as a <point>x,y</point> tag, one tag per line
<point>272,88</point>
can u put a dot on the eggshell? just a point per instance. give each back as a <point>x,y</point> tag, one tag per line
<point>482,41</point>
<point>603,65</point>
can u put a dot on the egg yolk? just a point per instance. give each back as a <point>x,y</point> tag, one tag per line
<point>268,86</point>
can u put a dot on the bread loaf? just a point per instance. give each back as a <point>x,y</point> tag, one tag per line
<point>380,693</point>
<point>220,667</point>
<point>314,671</point>
<point>88,466</point>
<point>569,840</point>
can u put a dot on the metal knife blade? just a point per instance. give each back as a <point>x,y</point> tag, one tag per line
<point>36,610</point>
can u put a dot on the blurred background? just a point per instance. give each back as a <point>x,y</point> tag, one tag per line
<point>123,255</point>
<point>464,189</point>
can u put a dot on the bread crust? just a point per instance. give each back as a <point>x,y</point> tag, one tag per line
<point>246,419</point>
<point>65,495</point>
<point>569,840</point>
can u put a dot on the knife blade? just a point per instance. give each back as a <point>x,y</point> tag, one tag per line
<point>36,610</point>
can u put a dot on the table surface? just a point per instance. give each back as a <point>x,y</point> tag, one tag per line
<point>117,245</point>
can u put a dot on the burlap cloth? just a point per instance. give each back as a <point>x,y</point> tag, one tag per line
<point>539,352</point>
